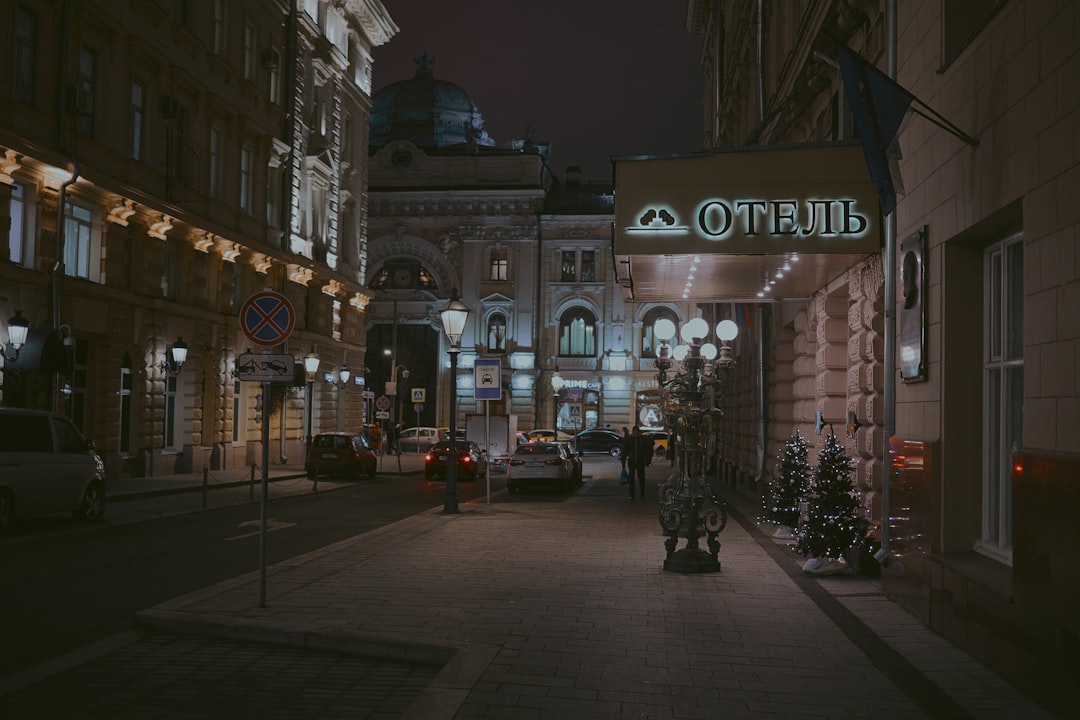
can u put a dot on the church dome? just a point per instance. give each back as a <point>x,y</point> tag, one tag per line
<point>431,113</point>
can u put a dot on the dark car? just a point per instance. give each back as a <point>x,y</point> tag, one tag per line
<point>472,462</point>
<point>340,453</point>
<point>599,440</point>
<point>577,459</point>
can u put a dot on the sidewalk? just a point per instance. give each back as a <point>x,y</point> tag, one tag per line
<point>555,606</point>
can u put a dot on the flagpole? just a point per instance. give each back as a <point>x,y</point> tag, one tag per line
<point>939,120</point>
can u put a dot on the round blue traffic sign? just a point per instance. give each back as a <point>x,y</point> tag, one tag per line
<point>267,318</point>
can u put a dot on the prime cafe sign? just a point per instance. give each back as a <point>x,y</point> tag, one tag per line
<point>807,199</point>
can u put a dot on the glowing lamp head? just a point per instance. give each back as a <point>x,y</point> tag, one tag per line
<point>696,328</point>
<point>664,329</point>
<point>726,330</point>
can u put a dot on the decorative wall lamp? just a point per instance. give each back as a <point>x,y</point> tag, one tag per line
<point>454,316</point>
<point>175,357</point>
<point>18,329</point>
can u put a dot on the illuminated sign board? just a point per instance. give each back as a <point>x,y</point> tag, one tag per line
<point>809,199</point>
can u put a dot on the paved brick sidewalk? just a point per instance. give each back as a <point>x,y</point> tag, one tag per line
<point>555,606</point>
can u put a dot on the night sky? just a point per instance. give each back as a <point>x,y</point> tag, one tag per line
<point>596,78</point>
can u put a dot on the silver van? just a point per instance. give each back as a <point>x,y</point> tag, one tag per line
<point>47,466</point>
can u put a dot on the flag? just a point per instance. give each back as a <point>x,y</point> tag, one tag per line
<point>744,314</point>
<point>880,107</point>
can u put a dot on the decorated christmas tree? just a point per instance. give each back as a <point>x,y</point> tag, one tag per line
<point>834,523</point>
<point>788,490</point>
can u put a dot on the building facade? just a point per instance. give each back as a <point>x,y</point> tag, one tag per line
<point>160,163</point>
<point>954,348</point>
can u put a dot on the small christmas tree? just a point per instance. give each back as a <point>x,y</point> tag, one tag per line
<point>834,524</point>
<point>787,491</point>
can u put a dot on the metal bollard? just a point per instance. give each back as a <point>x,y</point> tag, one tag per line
<point>205,481</point>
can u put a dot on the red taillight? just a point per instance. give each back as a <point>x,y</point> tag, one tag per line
<point>429,457</point>
<point>517,462</point>
<point>466,459</point>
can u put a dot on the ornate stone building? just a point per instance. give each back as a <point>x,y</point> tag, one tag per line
<point>159,164</point>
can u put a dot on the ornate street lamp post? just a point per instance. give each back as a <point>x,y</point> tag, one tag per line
<point>557,384</point>
<point>454,315</point>
<point>688,506</point>
<point>311,366</point>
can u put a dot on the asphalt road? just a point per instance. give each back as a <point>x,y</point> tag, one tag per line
<point>64,585</point>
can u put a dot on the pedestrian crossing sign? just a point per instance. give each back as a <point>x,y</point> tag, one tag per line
<point>419,395</point>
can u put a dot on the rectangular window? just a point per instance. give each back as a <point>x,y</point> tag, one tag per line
<point>500,264</point>
<point>588,266</point>
<point>246,184</point>
<point>84,90</point>
<point>176,137</point>
<point>138,119</point>
<point>216,149</point>
<point>170,273</point>
<point>962,20</point>
<point>78,246</point>
<point>274,77</point>
<point>19,236</point>
<point>219,27</point>
<point>249,51</point>
<point>274,180</point>
<point>1003,389</point>
<point>569,266</point>
<point>25,51</point>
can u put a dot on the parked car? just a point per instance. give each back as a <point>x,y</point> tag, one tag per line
<point>340,453</point>
<point>547,435</point>
<point>47,466</point>
<point>472,461</point>
<point>444,433</point>
<point>659,439</point>
<point>577,459</point>
<point>539,463</point>
<point>418,439</point>
<point>599,440</point>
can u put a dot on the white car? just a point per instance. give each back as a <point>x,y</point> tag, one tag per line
<point>47,466</point>
<point>540,463</point>
<point>418,439</point>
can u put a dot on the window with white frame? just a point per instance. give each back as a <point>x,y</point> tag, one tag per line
<point>577,333</point>
<point>1003,389</point>
<point>247,198</point>
<point>496,333</point>
<point>219,27</point>
<point>82,250</point>
<point>138,119</point>
<point>21,233</point>
<point>500,263</point>
<point>249,51</point>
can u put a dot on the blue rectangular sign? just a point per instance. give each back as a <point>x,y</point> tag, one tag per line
<point>487,379</point>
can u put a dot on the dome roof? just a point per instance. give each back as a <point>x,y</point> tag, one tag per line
<point>431,113</point>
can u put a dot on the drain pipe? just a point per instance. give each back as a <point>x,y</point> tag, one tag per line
<point>759,326</point>
<point>58,271</point>
<point>890,311</point>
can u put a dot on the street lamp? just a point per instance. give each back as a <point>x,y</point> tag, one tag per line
<point>175,357</point>
<point>557,384</point>
<point>688,506</point>
<point>454,315</point>
<point>18,329</point>
<point>311,367</point>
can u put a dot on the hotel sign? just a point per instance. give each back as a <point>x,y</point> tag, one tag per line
<point>811,199</point>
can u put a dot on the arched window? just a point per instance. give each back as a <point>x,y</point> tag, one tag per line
<point>496,333</point>
<point>648,340</point>
<point>577,333</point>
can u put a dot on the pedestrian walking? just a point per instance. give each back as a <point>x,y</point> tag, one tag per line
<point>638,453</point>
<point>392,437</point>
<point>625,445</point>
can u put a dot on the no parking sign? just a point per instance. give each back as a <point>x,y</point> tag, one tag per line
<point>267,318</point>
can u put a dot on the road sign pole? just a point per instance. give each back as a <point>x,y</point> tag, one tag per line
<point>265,492</point>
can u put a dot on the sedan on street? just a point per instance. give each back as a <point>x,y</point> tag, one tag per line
<point>599,440</point>
<point>340,453</point>
<point>539,463</point>
<point>472,462</point>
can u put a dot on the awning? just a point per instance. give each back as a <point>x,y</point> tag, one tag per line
<point>719,227</point>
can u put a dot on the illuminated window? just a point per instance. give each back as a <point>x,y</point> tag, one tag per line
<point>82,249</point>
<point>496,333</point>
<point>500,264</point>
<point>577,333</point>
<point>1003,388</point>
<point>569,266</point>
<point>21,233</point>
<point>588,266</point>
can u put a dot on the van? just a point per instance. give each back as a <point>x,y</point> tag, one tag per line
<point>47,466</point>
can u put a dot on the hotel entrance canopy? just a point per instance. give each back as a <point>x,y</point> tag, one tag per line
<point>723,226</point>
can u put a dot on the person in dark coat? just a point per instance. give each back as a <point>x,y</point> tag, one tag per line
<point>638,451</point>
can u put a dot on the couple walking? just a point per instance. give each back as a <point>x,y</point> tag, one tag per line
<point>637,453</point>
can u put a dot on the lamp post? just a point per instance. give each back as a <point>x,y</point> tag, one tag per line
<point>18,329</point>
<point>175,357</point>
<point>311,366</point>
<point>454,315</point>
<point>688,506</point>
<point>557,384</point>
